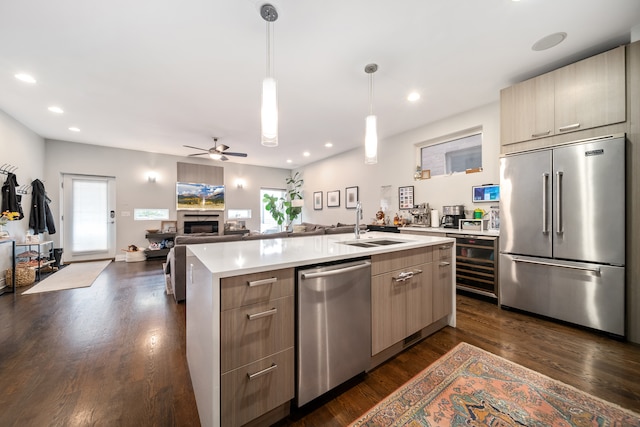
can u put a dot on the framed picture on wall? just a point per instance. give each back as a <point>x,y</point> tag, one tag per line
<point>333,199</point>
<point>351,197</point>
<point>317,200</point>
<point>405,197</point>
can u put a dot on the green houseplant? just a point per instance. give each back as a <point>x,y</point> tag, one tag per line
<point>281,208</point>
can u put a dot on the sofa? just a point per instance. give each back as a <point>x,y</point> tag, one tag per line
<point>176,265</point>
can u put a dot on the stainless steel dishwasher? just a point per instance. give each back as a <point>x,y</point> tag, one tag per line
<point>333,326</point>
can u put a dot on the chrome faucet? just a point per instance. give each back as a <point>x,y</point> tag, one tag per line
<point>358,218</point>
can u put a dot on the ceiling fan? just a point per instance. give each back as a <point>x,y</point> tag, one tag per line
<point>219,152</point>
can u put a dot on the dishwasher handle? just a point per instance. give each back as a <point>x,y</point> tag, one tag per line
<point>327,273</point>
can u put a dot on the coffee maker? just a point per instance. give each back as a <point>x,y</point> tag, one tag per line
<point>420,215</point>
<point>451,216</point>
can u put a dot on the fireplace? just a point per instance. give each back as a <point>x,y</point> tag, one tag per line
<point>198,223</point>
<point>200,227</point>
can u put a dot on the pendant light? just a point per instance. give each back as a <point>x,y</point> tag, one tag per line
<point>371,131</point>
<point>269,110</point>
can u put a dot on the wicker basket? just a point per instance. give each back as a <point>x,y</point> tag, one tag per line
<point>25,276</point>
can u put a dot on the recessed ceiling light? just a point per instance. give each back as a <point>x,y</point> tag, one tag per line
<point>413,97</point>
<point>306,154</point>
<point>74,129</point>
<point>549,41</point>
<point>55,109</point>
<point>25,78</point>
<point>328,144</point>
<point>289,161</point>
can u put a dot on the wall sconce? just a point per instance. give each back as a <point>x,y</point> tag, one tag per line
<point>152,176</point>
<point>240,184</point>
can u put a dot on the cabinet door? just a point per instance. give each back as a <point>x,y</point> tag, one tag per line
<point>388,311</point>
<point>591,92</point>
<point>527,110</point>
<point>418,294</point>
<point>442,298</point>
<point>400,307</point>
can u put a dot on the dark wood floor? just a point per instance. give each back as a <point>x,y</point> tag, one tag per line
<point>114,354</point>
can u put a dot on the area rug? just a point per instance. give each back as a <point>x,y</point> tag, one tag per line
<point>76,275</point>
<point>471,387</point>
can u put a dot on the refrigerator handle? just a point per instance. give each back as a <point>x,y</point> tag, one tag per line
<point>559,226</point>
<point>551,264</point>
<point>545,183</point>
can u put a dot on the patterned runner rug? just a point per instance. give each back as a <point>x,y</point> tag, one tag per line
<point>471,387</point>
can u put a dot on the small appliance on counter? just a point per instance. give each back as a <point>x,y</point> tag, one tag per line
<point>474,224</point>
<point>451,216</point>
<point>421,215</point>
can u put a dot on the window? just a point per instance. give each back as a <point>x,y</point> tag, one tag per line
<point>150,214</point>
<point>449,155</point>
<point>267,223</point>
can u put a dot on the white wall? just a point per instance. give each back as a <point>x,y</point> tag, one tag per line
<point>397,160</point>
<point>133,190</point>
<point>19,147</point>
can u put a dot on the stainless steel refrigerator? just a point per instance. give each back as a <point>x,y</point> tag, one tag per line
<point>562,233</point>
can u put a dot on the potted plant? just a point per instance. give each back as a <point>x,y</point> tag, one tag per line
<point>283,209</point>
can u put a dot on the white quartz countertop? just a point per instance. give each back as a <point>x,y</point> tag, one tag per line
<point>494,233</point>
<point>226,259</point>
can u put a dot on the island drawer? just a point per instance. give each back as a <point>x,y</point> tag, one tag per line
<point>248,289</point>
<point>390,261</point>
<point>254,389</point>
<point>255,331</point>
<point>442,252</point>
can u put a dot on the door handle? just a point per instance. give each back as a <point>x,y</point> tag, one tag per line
<point>406,275</point>
<point>545,183</point>
<point>262,314</point>
<point>262,282</point>
<point>253,376</point>
<point>559,227</point>
<point>551,264</point>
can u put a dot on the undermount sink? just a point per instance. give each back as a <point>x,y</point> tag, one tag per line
<point>372,243</point>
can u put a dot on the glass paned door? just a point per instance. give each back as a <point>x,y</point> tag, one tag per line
<point>89,217</point>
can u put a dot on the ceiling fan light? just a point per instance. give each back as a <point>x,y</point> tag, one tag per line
<point>215,156</point>
<point>371,141</point>
<point>269,113</point>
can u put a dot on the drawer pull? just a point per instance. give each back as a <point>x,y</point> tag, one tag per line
<point>444,264</point>
<point>268,281</point>
<point>539,134</point>
<point>263,314</point>
<point>569,127</point>
<point>273,367</point>
<point>406,275</point>
<point>445,248</point>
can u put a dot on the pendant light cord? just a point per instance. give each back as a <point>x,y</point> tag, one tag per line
<point>270,64</point>
<point>370,93</point>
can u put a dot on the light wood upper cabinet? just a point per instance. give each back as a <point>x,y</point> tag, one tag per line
<point>591,93</point>
<point>584,95</point>
<point>527,109</point>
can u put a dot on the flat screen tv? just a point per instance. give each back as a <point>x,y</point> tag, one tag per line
<point>486,193</point>
<point>199,197</point>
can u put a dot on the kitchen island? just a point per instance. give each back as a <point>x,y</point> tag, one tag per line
<point>242,370</point>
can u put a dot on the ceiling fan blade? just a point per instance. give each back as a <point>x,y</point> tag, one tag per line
<point>223,159</point>
<point>198,154</point>
<point>220,148</point>
<point>228,153</point>
<point>197,148</point>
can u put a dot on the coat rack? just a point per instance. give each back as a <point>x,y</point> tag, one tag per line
<point>23,189</point>
<point>6,169</point>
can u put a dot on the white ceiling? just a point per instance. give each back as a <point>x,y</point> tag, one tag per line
<point>153,75</point>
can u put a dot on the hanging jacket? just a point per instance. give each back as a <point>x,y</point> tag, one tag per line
<point>10,198</point>
<point>41,218</point>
